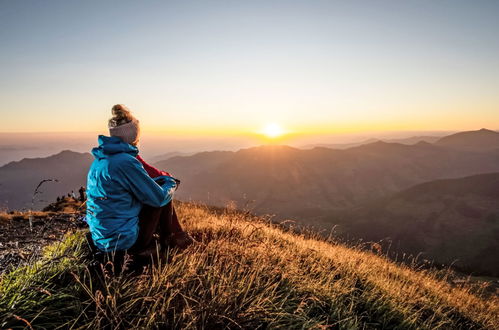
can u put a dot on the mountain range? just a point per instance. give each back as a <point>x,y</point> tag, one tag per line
<point>281,180</point>
<point>409,140</point>
<point>303,184</point>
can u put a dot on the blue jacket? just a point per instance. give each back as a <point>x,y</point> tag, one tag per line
<point>117,188</point>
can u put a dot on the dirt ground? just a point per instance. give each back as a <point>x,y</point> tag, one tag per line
<point>20,244</point>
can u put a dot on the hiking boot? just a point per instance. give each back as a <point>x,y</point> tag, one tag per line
<point>181,240</point>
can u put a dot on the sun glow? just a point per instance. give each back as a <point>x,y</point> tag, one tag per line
<point>272,130</point>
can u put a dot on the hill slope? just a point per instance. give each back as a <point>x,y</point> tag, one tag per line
<point>450,221</point>
<point>243,274</point>
<point>19,179</point>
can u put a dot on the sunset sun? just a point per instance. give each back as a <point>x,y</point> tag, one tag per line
<point>272,130</point>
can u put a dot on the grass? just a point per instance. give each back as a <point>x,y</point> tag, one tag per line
<point>244,273</point>
<point>23,215</point>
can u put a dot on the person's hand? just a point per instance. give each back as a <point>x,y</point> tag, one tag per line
<point>160,181</point>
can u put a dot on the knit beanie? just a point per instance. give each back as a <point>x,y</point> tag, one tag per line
<point>124,125</point>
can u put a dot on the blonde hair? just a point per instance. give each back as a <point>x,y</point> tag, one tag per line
<point>118,125</point>
<point>121,115</point>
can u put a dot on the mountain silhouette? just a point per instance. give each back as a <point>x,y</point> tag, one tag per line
<point>481,140</point>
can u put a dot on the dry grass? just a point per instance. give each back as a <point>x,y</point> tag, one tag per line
<point>244,273</point>
<point>23,215</point>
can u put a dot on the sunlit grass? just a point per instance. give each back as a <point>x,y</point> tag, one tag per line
<point>244,273</point>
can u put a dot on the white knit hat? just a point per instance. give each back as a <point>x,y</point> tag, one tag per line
<point>128,132</point>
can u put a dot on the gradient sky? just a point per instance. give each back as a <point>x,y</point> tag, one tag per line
<point>227,67</point>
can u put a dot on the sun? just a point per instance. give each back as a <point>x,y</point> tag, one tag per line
<point>272,130</point>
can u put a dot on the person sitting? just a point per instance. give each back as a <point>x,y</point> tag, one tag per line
<point>126,204</point>
<point>81,191</point>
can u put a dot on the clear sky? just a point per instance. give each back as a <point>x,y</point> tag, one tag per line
<point>227,67</point>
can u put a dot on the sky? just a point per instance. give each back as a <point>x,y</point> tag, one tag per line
<point>229,68</point>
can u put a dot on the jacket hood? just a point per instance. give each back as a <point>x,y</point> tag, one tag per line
<point>111,146</point>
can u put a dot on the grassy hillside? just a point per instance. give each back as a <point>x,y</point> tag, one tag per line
<point>243,273</point>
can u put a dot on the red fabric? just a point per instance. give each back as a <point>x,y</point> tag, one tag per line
<point>152,171</point>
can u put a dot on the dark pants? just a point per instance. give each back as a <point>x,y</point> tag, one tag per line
<point>162,220</point>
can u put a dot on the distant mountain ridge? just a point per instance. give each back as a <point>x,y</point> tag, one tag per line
<point>481,140</point>
<point>303,183</point>
<point>168,155</point>
<point>409,140</point>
